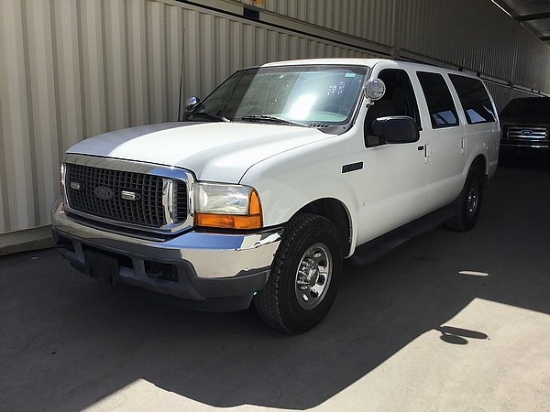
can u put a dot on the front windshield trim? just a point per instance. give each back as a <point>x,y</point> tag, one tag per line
<point>242,95</point>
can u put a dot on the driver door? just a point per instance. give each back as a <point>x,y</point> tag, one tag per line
<point>396,176</point>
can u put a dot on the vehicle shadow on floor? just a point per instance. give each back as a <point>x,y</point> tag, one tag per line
<point>80,341</point>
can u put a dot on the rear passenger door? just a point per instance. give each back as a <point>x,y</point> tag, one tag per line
<point>446,135</point>
<point>481,128</point>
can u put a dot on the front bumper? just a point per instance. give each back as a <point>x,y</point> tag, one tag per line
<point>218,271</point>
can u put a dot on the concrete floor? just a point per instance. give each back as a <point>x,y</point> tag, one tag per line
<point>446,322</point>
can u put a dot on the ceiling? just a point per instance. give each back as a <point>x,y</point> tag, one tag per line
<point>535,14</point>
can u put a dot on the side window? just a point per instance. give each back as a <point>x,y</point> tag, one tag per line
<point>440,102</point>
<point>474,99</point>
<point>399,100</point>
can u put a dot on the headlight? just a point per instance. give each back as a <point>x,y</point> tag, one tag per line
<point>227,206</point>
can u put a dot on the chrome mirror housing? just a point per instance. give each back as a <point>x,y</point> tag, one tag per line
<point>191,103</point>
<point>374,89</point>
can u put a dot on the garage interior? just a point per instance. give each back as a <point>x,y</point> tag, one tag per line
<point>535,13</point>
<point>71,70</point>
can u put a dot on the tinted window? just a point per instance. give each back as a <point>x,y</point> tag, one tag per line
<point>438,97</point>
<point>474,99</point>
<point>398,100</point>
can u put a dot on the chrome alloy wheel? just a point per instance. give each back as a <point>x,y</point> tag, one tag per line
<point>313,276</point>
<point>472,200</point>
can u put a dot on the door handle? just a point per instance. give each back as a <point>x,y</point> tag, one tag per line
<point>427,153</point>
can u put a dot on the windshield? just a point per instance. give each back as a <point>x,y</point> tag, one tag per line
<point>298,95</point>
<point>528,107</point>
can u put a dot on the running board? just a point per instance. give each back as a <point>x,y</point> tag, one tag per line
<point>373,250</point>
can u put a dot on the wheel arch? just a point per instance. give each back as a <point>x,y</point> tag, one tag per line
<point>335,211</point>
<point>480,165</point>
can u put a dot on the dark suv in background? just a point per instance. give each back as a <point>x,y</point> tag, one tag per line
<point>525,126</point>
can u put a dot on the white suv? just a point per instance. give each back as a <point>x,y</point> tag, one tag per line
<point>275,178</point>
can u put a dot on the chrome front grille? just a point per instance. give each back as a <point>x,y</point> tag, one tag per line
<point>134,199</point>
<point>526,132</point>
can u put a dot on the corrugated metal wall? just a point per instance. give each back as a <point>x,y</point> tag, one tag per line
<point>366,19</point>
<point>216,45</point>
<point>533,63</point>
<point>475,35</point>
<point>70,69</point>
<point>64,76</point>
<point>457,32</point>
<point>470,34</point>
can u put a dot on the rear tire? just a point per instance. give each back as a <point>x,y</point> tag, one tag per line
<point>468,204</point>
<point>305,275</point>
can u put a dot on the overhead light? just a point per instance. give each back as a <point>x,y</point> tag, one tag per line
<point>472,273</point>
<point>497,3</point>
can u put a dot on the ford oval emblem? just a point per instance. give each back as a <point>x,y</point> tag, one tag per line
<point>104,193</point>
<point>526,132</point>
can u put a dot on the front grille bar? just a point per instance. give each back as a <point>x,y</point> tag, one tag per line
<point>128,194</point>
<point>527,133</point>
<point>168,200</point>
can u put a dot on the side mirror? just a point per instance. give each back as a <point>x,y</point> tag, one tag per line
<point>396,129</point>
<point>374,89</point>
<point>192,102</point>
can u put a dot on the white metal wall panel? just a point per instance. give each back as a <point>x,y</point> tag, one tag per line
<point>215,46</point>
<point>18,152</point>
<point>533,62</point>
<point>63,78</point>
<point>470,33</point>
<point>366,19</point>
<point>73,69</point>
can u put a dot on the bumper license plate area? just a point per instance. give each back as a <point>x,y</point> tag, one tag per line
<point>102,266</point>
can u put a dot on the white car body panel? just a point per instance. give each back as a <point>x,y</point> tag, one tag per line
<point>219,152</point>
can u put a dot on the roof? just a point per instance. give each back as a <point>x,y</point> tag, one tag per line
<point>369,62</point>
<point>535,14</point>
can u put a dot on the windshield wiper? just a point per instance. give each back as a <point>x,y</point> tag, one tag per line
<point>211,116</point>
<point>270,119</point>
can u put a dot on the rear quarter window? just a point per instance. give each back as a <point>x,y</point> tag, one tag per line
<point>474,99</point>
<point>439,100</point>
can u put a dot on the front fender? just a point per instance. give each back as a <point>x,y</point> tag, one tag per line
<point>293,179</point>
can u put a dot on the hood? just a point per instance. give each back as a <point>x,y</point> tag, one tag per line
<point>218,151</point>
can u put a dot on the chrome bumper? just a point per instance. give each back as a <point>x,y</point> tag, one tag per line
<point>195,265</point>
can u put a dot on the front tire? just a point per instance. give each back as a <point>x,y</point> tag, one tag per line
<point>305,275</point>
<point>468,204</point>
